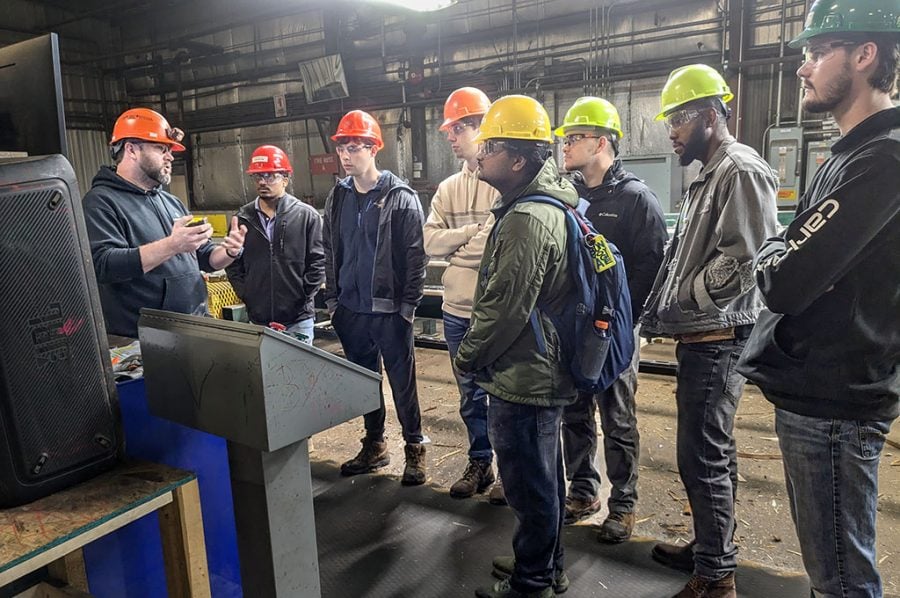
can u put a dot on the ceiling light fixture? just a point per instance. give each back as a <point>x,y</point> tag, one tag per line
<point>417,5</point>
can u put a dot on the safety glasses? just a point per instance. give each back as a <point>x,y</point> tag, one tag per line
<point>821,52</point>
<point>576,137</point>
<point>351,148</point>
<point>680,118</point>
<point>268,177</point>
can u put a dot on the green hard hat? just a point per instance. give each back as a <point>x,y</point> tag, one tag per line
<point>591,112</point>
<point>689,83</point>
<point>828,17</point>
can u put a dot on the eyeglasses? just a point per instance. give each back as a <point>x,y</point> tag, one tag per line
<point>162,147</point>
<point>352,149</point>
<point>491,146</point>
<point>820,53</point>
<point>268,177</point>
<point>680,118</point>
<point>576,137</point>
<point>459,128</point>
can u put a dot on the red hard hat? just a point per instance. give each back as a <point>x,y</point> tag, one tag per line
<point>269,158</point>
<point>145,124</point>
<point>357,123</point>
<point>465,101</point>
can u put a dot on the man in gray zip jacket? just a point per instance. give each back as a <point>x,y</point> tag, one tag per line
<point>704,297</point>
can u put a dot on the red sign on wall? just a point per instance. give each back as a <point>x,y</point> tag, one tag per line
<point>323,164</point>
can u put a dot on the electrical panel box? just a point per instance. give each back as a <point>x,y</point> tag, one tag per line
<point>783,153</point>
<point>662,174</point>
<point>816,154</point>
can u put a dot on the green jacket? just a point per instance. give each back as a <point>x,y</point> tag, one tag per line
<point>524,263</point>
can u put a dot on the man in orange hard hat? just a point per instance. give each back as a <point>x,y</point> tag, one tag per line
<point>457,228</point>
<point>146,251</point>
<point>282,265</point>
<point>374,278</point>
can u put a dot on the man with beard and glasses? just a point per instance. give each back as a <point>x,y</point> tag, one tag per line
<point>146,251</point>
<point>704,298</point>
<point>282,265</point>
<point>826,352</point>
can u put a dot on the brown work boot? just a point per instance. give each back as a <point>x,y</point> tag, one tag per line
<point>414,473</point>
<point>373,455</point>
<point>617,528</point>
<point>674,556</point>
<point>703,587</point>
<point>580,508</point>
<point>476,478</point>
<point>497,496</point>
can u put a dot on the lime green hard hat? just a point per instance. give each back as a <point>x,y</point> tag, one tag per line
<point>827,17</point>
<point>689,83</point>
<point>589,111</point>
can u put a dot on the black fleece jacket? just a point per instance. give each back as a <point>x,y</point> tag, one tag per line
<point>120,218</point>
<point>829,344</point>
<point>626,211</point>
<point>278,280</point>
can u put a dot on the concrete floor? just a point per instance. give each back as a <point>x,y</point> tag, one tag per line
<point>765,533</point>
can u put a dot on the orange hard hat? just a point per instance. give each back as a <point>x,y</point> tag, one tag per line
<point>145,124</point>
<point>269,158</point>
<point>465,101</point>
<point>357,123</point>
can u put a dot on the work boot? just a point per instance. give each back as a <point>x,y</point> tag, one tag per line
<point>703,587</point>
<point>497,496</point>
<point>414,473</point>
<point>503,569</point>
<point>476,478</point>
<point>580,508</point>
<point>502,589</point>
<point>373,455</point>
<point>674,556</point>
<point>617,528</point>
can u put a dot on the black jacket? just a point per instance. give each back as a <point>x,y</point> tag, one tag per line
<point>829,346</point>
<point>121,217</point>
<point>625,211</point>
<point>278,280</point>
<point>398,278</point>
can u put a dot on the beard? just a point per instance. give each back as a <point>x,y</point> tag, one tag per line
<point>693,147</point>
<point>162,174</point>
<point>830,94</point>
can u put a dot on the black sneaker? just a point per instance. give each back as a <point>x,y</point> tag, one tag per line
<point>503,569</point>
<point>373,455</point>
<point>674,556</point>
<point>477,477</point>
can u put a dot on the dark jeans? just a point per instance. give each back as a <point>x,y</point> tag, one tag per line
<point>367,340</point>
<point>831,470</point>
<point>472,399</point>
<point>708,392</point>
<point>526,441</point>
<point>621,441</point>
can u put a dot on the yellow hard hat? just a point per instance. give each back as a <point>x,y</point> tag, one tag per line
<point>689,83</point>
<point>591,112</point>
<point>515,117</point>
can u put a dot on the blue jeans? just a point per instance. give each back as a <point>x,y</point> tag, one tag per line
<point>526,440</point>
<point>472,399</point>
<point>621,441</point>
<point>707,395</point>
<point>305,327</point>
<point>831,470</point>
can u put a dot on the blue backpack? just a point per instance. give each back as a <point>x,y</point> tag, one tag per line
<point>594,326</point>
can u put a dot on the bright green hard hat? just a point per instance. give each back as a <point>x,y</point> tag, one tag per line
<point>591,112</point>
<point>828,17</point>
<point>690,83</point>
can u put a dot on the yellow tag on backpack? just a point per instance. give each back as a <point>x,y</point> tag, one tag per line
<point>602,254</point>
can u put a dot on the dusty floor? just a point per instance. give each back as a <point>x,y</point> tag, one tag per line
<point>765,533</point>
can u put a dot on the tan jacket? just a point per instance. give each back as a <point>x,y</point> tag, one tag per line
<point>457,228</point>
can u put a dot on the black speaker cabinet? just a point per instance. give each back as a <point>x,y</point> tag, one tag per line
<point>58,407</point>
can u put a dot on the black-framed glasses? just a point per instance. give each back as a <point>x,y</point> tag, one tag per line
<point>821,52</point>
<point>268,177</point>
<point>576,137</point>
<point>352,148</point>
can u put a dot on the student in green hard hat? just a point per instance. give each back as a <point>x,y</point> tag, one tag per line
<point>826,352</point>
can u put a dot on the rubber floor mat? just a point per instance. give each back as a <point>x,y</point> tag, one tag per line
<point>378,539</point>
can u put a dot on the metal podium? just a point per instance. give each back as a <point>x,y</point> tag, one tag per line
<point>266,393</point>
